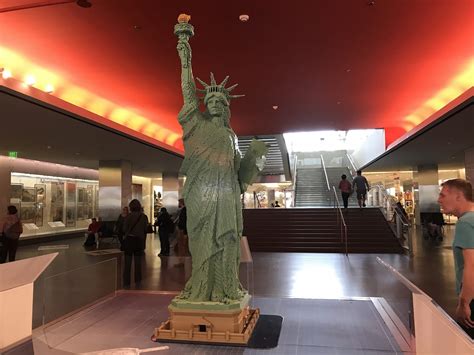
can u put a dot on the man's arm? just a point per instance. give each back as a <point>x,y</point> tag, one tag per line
<point>463,310</point>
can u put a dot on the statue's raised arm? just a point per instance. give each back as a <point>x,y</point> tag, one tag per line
<point>185,31</point>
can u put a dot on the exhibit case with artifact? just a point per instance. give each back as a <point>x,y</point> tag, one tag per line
<point>52,204</point>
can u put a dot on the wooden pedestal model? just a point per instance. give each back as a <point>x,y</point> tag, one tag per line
<point>208,322</point>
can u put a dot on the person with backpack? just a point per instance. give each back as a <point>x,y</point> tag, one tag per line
<point>12,229</point>
<point>135,229</point>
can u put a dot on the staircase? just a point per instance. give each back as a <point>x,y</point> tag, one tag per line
<point>311,188</point>
<point>313,230</point>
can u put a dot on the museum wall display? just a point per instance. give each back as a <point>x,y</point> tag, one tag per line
<point>52,204</point>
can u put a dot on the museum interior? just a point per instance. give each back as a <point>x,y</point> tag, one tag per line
<point>107,102</point>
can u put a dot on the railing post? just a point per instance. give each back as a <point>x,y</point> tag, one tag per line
<point>410,241</point>
<point>399,226</point>
<point>345,234</point>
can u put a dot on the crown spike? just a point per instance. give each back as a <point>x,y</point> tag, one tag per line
<point>235,96</point>
<point>202,82</point>
<point>224,81</point>
<point>213,80</point>
<point>230,88</point>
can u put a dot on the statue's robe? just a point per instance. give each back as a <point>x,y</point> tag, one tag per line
<point>212,197</point>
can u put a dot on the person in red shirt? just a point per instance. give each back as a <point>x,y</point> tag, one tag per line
<point>91,231</point>
<point>346,190</point>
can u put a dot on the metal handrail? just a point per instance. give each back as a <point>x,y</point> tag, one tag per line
<point>352,164</point>
<point>400,223</point>
<point>293,203</point>
<point>340,215</point>
<point>386,197</point>
<point>325,174</point>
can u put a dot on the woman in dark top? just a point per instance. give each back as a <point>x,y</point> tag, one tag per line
<point>165,227</point>
<point>135,227</point>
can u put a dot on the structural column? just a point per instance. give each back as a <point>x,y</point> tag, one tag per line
<point>469,165</point>
<point>115,187</point>
<point>426,198</point>
<point>271,197</point>
<point>171,191</point>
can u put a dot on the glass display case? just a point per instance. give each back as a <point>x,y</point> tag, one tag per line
<point>52,204</point>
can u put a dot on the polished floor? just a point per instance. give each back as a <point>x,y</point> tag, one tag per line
<point>77,276</point>
<point>310,326</point>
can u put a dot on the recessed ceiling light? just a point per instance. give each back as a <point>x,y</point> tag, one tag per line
<point>244,18</point>
<point>275,107</point>
<point>49,147</point>
<point>6,73</point>
<point>339,102</point>
<point>348,70</point>
<point>84,3</point>
<point>137,27</point>
<point>30,80</point>
<point>49,88</point>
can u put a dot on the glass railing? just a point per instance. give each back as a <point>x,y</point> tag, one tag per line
<point>416,320</point>
<point>72,294</point>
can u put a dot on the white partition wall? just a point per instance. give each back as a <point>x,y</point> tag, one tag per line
<point>436,333</point>
<point>16,298</point>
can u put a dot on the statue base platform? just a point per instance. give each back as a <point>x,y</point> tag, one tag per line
<point>209,323</point>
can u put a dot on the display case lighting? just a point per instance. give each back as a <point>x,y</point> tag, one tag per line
<point>46,178</point>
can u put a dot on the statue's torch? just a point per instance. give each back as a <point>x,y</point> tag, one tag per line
<point>183,29</point>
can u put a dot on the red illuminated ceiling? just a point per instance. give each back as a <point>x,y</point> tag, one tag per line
<point>326,64</point>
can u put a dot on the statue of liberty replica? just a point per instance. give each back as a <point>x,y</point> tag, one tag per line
<point>216,176</point>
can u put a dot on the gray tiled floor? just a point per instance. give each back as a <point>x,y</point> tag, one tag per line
<point>309,327</point>
<point>298,275</point>
<point>274,275</point>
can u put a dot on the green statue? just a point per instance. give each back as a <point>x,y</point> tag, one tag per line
<point>216,176</point>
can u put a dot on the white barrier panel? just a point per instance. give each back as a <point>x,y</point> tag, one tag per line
<point>435,332</point>
<point>16,298</point>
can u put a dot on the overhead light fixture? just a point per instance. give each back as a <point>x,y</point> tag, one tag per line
<point>275,107</point>
<point>244,18</point>
<point>84,3</point>
<point>6,73</point>
<point>30,80</point>
<point>49,88</point>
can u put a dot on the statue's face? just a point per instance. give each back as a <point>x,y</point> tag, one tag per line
<point>216,106</point>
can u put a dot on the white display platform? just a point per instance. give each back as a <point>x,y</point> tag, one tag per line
<point>16,298</point>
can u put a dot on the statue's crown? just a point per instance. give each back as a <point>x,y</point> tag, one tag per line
<point>220,88</point>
